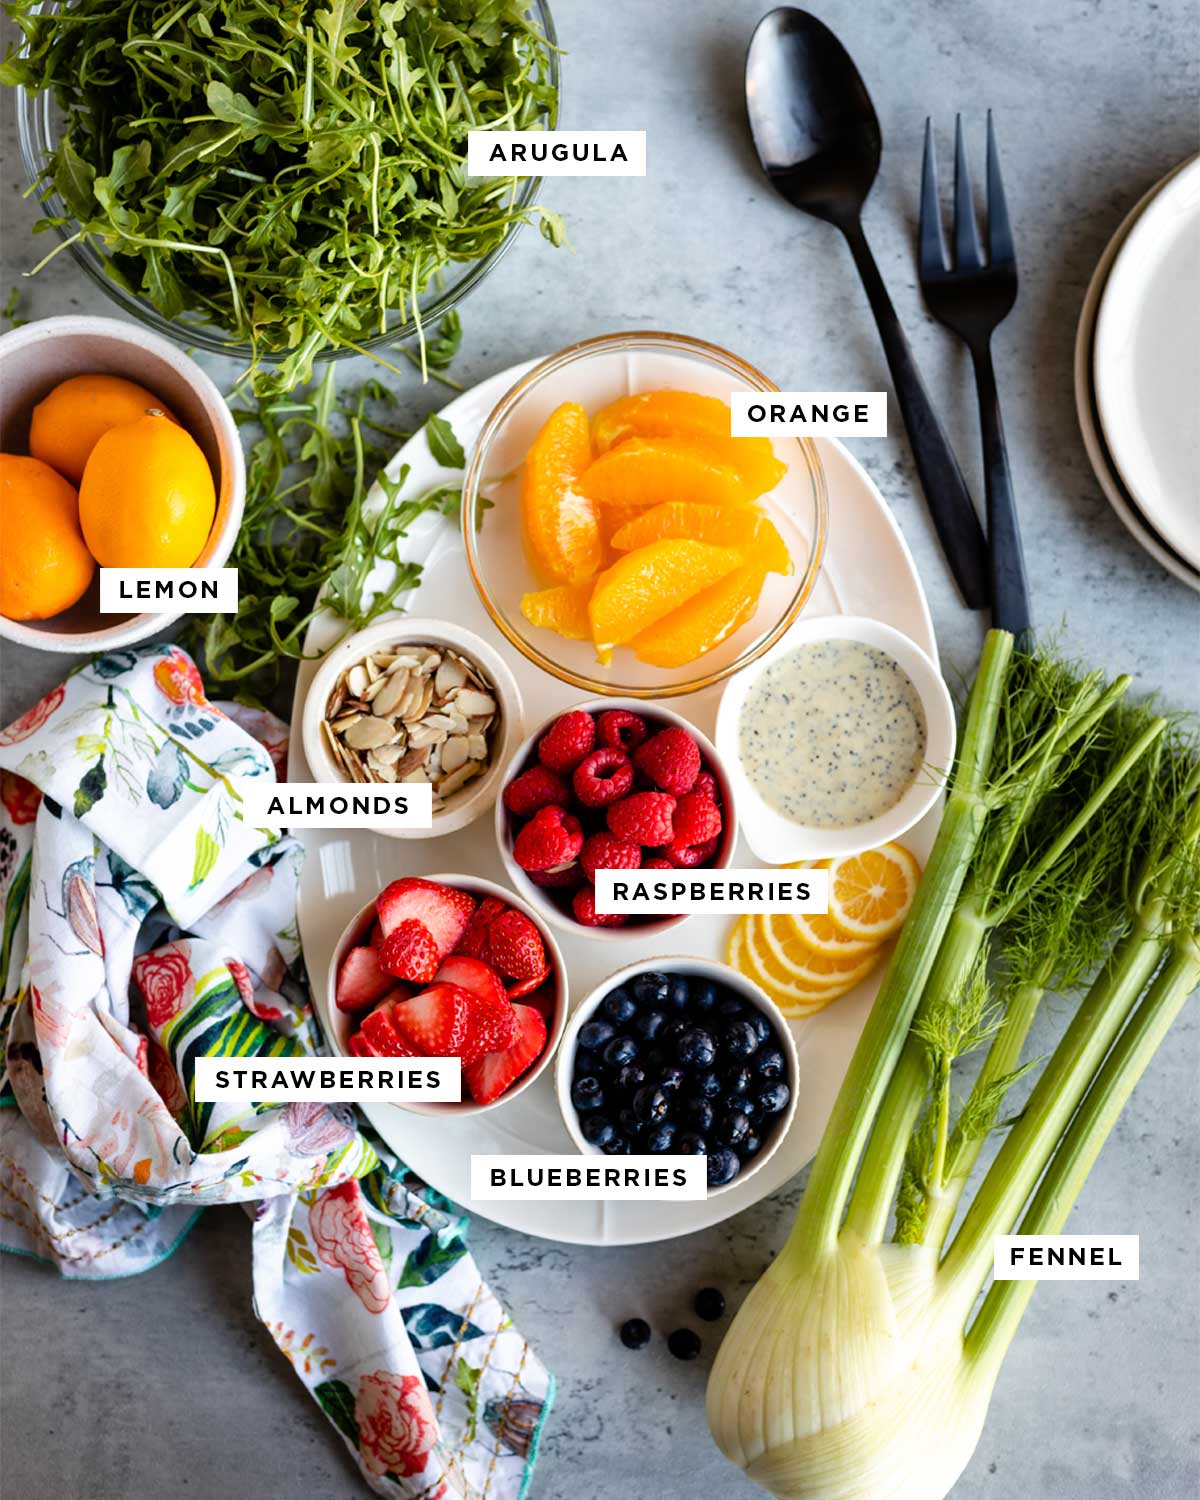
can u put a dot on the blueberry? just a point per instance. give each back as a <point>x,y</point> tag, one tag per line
<point>649,1023</point>
<point>618,1006</point>
<point>621,1050</point>
<point>739,1039</point>
<point>654,1060</point>
<point>749,1146</point>
<point>635,1334</point>
<point>651,1105</point>
<point>770,1062</point>
<point>597,1130</point>
<point>738,1080</point>
<point>651,988</point>
<point>704,995</point>
<point>616,1145</point>
<point>684,1344</point>
<point>774,1098</point>
<point>696,1049</point>
<point>586,1094</point>
<point>628,1121</point>
<point>763,1029</point>
<point>708,1086</point>
<point>660,1137</point>
<point>594,1034</point>
<point>750,1106</point>
<point>730,1008</point>
<point>732,1127</point>
<point>671,1032</point>
<point>631,1077</point>
<point>709,1304</point>
<point>723,1167</point>
<point>688,1143</point>
<point>679,991</point>
<point>698,1112</point>
<point>672,1078</point>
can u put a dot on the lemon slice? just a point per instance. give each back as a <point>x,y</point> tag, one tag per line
<point>870,894</point>
<point>817,931</point>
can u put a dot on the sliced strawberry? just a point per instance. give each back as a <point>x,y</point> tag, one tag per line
<point>379,1032</point>
<point>474,941</point>
<point>435,1023</point>
<point>488,1078</point>
<point>527,986</point>
<point>361,981</point>
<point>357,1046</point>
<point>471,974</point>
<point>444,911</point>
<point>375,936</point>
<point>491,1025</point>
<point>409,952</point>
<point>515,945</point>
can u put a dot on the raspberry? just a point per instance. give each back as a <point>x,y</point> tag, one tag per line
<point>562,878</point>
<point>409,952</point>
<point>671,759</point>
<point>706,786</point>
<point>515,946</point>
<point>551,837</point>
<point>605,851</point>
<point>657,864</point>
<point>688,856</point>
<point>697,819</point>
<point>644,818</point>
<point>621,730</point>
<point>604,776</point>
<point>535,789</point>
<point>567,741</point>
<point>584,907</point>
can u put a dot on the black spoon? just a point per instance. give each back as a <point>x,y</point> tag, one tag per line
<point>818,139</point>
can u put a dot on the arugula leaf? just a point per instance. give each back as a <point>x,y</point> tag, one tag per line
<point>444,446</point>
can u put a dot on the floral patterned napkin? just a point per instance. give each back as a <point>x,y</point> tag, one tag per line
<point>145,925</point>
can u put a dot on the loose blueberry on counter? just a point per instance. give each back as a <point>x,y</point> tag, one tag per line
<point>594,1034</point>
<point>651,1105</point>
<point>739,1039</point>
<point>635,1333</point>
<point>774,1098</point>
<point>618,1006</point>
<point>631,1077</point>
<point>738,1080</point>
<point>684,1344</point>
<point>731,1128</point>
<point>586,1094</point>
<point>649,1023</point>
<point>651,988</point>
<point>709,1304</point>
<point>723,1167</point>
<point>696,1049</point>
<point>679,991</point>
<point>698,1112</point>
<point>690,1143</point>
<point>621,1050</point>
<point>769,1062</point>
<point>597,1130</point>
<point>660,1137</point>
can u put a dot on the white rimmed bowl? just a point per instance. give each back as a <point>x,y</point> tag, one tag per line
<point>400,630</point>
<point>776,840</point>
<point>543,897</point>
<point>36,358</point>
<point>344,1024</point>
<point>720,973</point>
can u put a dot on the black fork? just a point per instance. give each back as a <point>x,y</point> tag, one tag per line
<point>972,297</point>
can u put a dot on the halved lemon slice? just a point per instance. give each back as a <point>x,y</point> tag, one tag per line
<point>870,894</point>
<point>777,940</point>
<point>817,931</point>
<point>790,998</point>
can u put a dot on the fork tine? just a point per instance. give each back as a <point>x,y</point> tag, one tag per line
<point>931,245</point>
<point>967,254</point>
<point>1000,242</point>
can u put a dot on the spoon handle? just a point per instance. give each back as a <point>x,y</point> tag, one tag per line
<point>945,489</point>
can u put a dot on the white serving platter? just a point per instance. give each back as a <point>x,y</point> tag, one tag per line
<point>868,571</point>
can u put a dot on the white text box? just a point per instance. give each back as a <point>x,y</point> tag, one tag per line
<point>809,413</point>
<point>152,591</point>
<point>329,1080</point>
<point>556,153</point>
<point>710,893</point>
<point>1066,1257</point>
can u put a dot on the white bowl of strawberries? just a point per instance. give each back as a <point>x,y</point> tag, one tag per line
<point>611,784</point>
<point>451,966</point>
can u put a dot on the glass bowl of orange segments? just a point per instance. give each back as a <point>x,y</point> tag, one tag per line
<point>595,374</point>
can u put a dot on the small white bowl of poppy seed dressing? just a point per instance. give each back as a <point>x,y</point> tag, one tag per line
<point>838,739</point>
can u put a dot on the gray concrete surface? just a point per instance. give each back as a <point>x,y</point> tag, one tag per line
<point>164,1384</point>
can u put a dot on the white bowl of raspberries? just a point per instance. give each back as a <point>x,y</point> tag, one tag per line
<point>451,966</point>
<point>611,784</point>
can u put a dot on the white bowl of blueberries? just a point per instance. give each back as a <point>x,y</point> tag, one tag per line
<point>683,1056</point>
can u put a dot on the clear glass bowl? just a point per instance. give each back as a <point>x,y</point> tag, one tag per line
<point>38,121</point>
<point>594,373</point>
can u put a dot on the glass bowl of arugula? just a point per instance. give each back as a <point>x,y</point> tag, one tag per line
<point>282,186</point>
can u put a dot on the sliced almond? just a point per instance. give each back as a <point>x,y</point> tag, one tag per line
<point>457,779</point>
<point>450,675</point>
<point>472,702</point>
<point>455,753</point>
<point>476,747</point>
<point>357,680</point>
<point>368,734</point>
<point>391,691</point>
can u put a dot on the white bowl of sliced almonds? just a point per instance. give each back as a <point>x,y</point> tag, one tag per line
<point>415,700</point>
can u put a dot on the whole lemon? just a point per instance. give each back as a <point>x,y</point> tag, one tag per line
<point>147,499</point>
<point>44,565</point>
<point>67,424</point>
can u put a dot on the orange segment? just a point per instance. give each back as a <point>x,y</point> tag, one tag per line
<point>685,414</point>
<point>870,894</point>
<point>704,621</point>
<point>651,471</point>
<point>643,586</point>
<point>742,526</point>
<point>560,526</point>
<point>563,608</point>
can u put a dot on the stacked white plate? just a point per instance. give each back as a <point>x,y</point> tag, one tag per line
<point>1137,372</point>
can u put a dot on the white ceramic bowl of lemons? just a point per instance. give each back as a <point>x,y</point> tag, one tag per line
<point>40,356</point>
